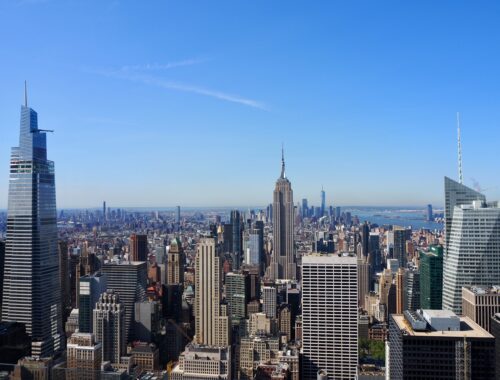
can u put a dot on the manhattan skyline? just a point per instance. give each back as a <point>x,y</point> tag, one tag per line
<point>363,98</point>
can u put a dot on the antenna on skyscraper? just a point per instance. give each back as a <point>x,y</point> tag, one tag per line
<point>25,94</point>
<point>460,174</point>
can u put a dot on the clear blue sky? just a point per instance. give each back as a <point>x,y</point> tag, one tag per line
<point>158,103</point>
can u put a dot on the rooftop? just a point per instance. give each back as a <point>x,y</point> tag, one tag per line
<point>481,289</point>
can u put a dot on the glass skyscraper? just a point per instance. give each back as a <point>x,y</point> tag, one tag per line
<point>32,293</point>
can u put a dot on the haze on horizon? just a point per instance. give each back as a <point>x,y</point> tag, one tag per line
<point>164,103</point>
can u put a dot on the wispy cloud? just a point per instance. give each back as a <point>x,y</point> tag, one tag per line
<point>162,66</point>
<point>132,75</point>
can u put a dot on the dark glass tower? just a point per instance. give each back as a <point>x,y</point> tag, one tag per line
<point>32,294</point>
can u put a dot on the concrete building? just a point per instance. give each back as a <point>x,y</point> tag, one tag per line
<point>480,303</point>
<point>199,362</point>
<point>176,262</point>
<point>237,289</point>
<point>255,350</point>
<point>109,326</point>
<point>495,331</point>
<point>147,320</point>
<point>329,316</point>
<point>84,354</point>
<point>138,247</point>
<point>269,299</point>
<point>436,344</point>
<point>91,288</point>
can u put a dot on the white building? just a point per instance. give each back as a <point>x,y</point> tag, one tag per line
<point>203,362</point>
<point>329,316</point>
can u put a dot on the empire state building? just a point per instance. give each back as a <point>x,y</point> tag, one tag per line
<point>283,259</point>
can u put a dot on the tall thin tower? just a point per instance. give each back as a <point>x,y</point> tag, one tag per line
<point>283,260</point>
<point>323,201</point>
<point>460,174</point>
<point>32,293</point>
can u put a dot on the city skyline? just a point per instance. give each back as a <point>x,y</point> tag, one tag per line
<point>119,106</point>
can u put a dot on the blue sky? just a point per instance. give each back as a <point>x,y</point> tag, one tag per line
<point>158,103</point>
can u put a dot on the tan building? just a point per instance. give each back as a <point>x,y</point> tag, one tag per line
<point>32,368</point>
<point>84,354</point>
<point>400,277</point>
<point>285,321</point>
<point>176,261</point>
<point>480,303</point>
<point>211,318</point>
<point>256,350</point>
<point>363,280</point>
<point>203,362</point>
<point>146,356</point>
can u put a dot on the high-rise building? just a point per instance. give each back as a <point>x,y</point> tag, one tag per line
<point>363,280</point>
<point>269,300</point>
<point>176,261</point>
<point>255,350</point>
<point>109,326</point>
<point>495,331</point>
<point>138,247</point>
<point>323,202</point>
<point>255,246</point>
<point>472,253</point>
<point>480,303</point>
<point>203,362</point>
<point>211,319</point>
<point>365,238</point>
<point>31,292</point>
<point>431,278</point>
<point>305,209</point>
<point>430,215</point>
<point>283,259</point>
<point>236,241</point>
<point>400,290</point>
<point>412,289</point>
<point>84,357</point>
<point>400,246</point>
<point>329,316</point>
<point>2,264</point>
<point>436,344</point>
<point>237,289</point>
<point>178,218</point>
<point>62,252</point>
<point>129,280</point>
<point>147,320</point>
<point>104,210</point>
<point>91,288</point>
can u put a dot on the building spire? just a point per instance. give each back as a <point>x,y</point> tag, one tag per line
<point>25,94</point>
<point>460,174</point>
<point>282,162</point>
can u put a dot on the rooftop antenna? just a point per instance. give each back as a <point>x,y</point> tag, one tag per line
<point>282,161</point>
<point>460,174</point>
<point>25,94</point>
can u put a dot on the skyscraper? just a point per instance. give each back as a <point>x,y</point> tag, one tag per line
<point>237,289</point>
<point>138,247</point>
<point>305,209</point>
<point>176,260</point>
<point>329,316</point>
<point>211,319</point>
<point>431,278</point>
<point>129,280</point>
<point>236,243</point>
<point>430,215</point>
<point>109,326</point>
<point>400,245</point>
<point>283,259</point>
<point>472,253</point>
<point>31,293</point>
<point>91,288</point>
<point>178,218</point>
<point>322,202</point>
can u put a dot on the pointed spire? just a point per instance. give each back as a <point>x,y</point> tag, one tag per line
<point>282,162</point>
<point>460,174</point>
<point>25,94</point>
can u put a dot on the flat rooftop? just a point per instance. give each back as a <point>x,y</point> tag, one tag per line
<point>330,258</point>
<point>483,290</point>
<point>468,329</point>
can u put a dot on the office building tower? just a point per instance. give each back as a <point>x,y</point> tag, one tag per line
<point>178,218</point>
<point>436,344</point>
<point>283,259</point>
<point>472,254</point>
<point>32,367</point>
<point>480,303</point>
<point>365,238</point>
<point>129,280</point>
<point>147,320</point>
<point>84,357</point>
<point>14,342</point>
<point>305,209</point>
<point>109,326</point>
<point>91,287</point>
<point>431,278</point>
<point>329,316</point>
<point>138,247</point>
<point>430,215</point>
<point>236,238</point>
<point>211,319</point>
<point>412,289</point>
<point>237,289</point>
<point>399,252</point>
<point>104,210</point>
<point>285,321</point>
<point>255,246</point>
<point>323,202</point>
<point>495,331</point>
<point>62,252</point>
<point>2,264</point>
<point>269,298</point>
<point>203,362</point>
<point>363,281</point>
<point>176,262</point>
<point>400,290</point>
<point>31,291</point>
